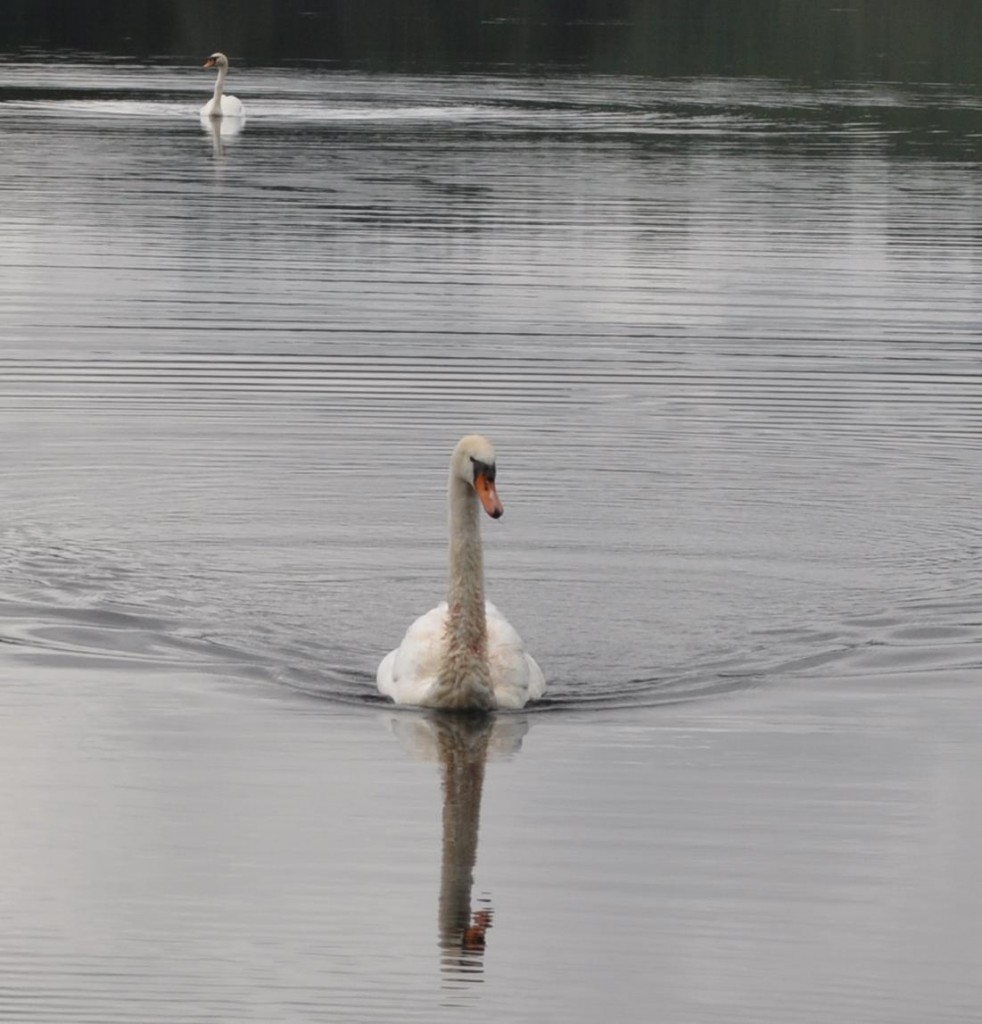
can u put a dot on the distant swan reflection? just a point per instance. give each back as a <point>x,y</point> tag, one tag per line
<point>221,130</point>
<point>462,744</point>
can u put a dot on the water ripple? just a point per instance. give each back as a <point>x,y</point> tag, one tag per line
<point>728,355</point>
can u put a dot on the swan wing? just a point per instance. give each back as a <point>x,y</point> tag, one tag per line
<point>515,676</point>
<point>409,672</point>
<point>228,106</point>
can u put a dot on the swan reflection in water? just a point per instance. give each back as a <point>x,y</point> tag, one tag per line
<point>221,130</point>
<point>462,744</point>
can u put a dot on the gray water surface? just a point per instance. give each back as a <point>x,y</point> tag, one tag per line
<point>725,336</point>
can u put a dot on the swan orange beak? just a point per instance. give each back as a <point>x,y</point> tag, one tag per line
<point>489,496</point>
<point>209,63</point>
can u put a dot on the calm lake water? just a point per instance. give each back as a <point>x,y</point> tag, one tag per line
<point>725,336</point>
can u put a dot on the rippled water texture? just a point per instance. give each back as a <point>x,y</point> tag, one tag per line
<point>725,336</point>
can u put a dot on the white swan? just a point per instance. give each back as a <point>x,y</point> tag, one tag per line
<point>220,105</point>
<point>463,655</point>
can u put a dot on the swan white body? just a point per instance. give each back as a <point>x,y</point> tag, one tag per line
<point>221,105</point>
<point>464,655</point>
<point>410,673</point>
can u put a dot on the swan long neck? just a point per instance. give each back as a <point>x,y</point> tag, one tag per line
<point>219,82</point>
<point>465,594</point>
<point>464,679</point>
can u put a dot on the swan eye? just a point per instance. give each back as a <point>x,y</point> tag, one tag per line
<point>483,469</point>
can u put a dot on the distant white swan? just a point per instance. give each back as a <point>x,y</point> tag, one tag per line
<point>221,105</point>
<point>464,655</point>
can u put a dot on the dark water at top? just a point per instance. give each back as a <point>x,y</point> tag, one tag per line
<point>724,334</point>
<point>801,40</point>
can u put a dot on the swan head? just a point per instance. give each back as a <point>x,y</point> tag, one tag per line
<point>216,60</point>
<point>473,462</point>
